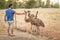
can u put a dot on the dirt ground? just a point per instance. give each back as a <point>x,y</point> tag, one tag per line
<point>50,17</point>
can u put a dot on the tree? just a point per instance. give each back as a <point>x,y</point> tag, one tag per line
<point>56,5</point>
<point>30,4</point>
<point>42,4</point>
<point>10,1</point>
<point>39,3</point>
<point>47,3</point>
<point>20,5</point>
<point>2,4</point>
<point>15,5</point>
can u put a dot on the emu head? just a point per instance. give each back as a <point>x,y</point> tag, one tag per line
<point>30,16</point>
<point>29,13</point>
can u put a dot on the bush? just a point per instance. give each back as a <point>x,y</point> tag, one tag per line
<point>2,4</point>
<point>15,5</point>
<point>56,5</point>
<point>47,4</point>
<point>42,4</point>
<point>30,4</point>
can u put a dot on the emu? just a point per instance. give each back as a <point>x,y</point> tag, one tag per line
<point>34,21</point>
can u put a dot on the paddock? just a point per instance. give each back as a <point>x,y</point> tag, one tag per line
<point>50,17</point>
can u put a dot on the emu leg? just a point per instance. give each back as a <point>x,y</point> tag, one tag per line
<point>31,28</point>
<point>38,30</point>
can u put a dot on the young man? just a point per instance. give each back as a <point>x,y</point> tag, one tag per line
<point>9,18</point>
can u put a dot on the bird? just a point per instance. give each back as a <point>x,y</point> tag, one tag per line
<point>34,20</point>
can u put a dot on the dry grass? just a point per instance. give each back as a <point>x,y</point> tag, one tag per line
<point>51,19</point>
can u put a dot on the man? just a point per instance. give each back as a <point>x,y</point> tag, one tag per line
<point>9,18</point>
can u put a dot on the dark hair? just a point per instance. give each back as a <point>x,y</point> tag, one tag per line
<point>9,5</point>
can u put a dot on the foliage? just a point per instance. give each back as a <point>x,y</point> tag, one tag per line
<point>15,5</point>
<point>56,5</point>
<point>42,5</point>
<point>47,3</point>
<point>2,4</point>
<point>30,4</point>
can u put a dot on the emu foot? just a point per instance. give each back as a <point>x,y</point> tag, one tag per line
<point>34,32</point>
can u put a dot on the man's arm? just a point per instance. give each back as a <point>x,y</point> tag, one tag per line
<point>21,13</point>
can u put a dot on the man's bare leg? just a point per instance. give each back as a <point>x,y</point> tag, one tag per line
<point>8,30</point>
<point>11,30</point>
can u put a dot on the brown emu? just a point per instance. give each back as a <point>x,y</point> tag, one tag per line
<point>34,21</point>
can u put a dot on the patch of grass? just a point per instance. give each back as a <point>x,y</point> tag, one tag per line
<point>1,28</point>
